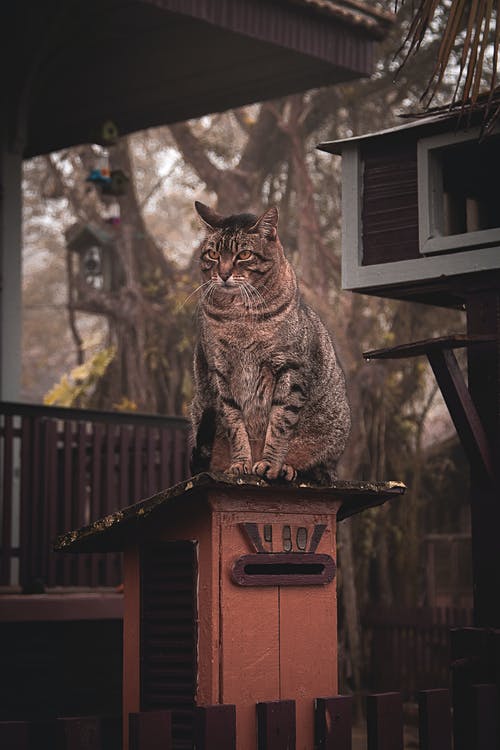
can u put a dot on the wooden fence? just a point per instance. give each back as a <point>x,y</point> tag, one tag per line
<point>215,726</point>
<point>409,649</point>
<point>61,469</point>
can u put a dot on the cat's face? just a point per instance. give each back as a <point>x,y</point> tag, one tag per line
<point>239,252</point>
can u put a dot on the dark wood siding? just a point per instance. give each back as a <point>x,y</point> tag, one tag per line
<point>390,203</point>
<point>169,634</point>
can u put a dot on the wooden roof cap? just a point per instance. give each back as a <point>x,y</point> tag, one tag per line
<point>113,532</point>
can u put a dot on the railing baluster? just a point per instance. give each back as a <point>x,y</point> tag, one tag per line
<point>333,723</point>
<point>110,498</point>
<point>138,463</point>
<point>123,468</point>
<point>51,504</point>
<point>434,719</point>
<point>384,719</point>
<point>80,494</point>
<point>5,560</point>
<point>179,458</point>
<point>276,725</point>
<point>215,727</point>
<point>165,462</point>
<point>150,730</point>
<point>96,492</point>
<point>150,460</point>
<point>65,500</point>
<point>27,497</point>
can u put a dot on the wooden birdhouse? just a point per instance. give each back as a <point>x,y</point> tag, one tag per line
<point>230,596</point>
<point>420,209</point>
<point>93,261</point>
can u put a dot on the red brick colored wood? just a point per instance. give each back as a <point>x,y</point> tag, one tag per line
<point>215,727</point>
<point>276,725</point>
<point>434,714</point>
<point>150,730</point>
<point>333,723</point>
<point>384,721</point>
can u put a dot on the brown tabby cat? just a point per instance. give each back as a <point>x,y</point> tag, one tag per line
<point>270,395</point>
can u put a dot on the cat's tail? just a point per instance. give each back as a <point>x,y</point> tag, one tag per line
<point>201,455</point>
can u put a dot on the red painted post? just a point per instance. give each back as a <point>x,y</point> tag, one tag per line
<point>150,730</point>
<point>485,708</point>
<point>14,735</point>
<point>276,725</point>
<point>215,727</point>
<point>333,723</point>
<point>384,718</point>
<point>434,719</point>
<point>79,733</point>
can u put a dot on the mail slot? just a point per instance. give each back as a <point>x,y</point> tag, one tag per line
<point>283,569</point>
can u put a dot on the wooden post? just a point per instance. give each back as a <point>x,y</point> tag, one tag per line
<point>79,733</point>
<point>276,725</point>
<point>484,714</point>
<point>215,727</point>
<point>333,725</point>
<point>434,719</point>
<point>384,718</point>
<point>150,730</point>
<point>483,317</point>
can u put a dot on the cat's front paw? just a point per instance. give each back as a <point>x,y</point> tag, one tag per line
<point>271,470</point>
<point>240,467</point>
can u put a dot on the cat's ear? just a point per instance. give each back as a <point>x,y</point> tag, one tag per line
<point>209,217</point>
<point>267,224</point>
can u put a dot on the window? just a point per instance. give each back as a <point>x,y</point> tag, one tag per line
<point>459,192</point>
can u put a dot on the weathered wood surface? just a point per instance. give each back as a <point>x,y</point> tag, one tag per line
<point>110,532</point>
<point>423,347</point>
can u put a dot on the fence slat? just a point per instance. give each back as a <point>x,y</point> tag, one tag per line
<point>51,496</point>
<point>333,723</point>
<point>276,725</point>
<point>79,733</point>
<point>384,720</point>
<point>434,719</point>
<point>485,710</point>
<point>8,469</point>
<point>150,730</point>
<point>27,497</point>
<point>14,735</point>
<point>215,727</point>
<point>96,494</point>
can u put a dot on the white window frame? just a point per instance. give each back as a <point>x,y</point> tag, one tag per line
<point>430,190</point>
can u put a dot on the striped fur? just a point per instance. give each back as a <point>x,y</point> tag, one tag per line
<point>266,376</point>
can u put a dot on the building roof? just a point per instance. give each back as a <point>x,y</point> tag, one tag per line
<point>74,65</point>
<point>116,530</point>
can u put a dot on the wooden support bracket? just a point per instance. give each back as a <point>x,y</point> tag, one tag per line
<point>453,388</point>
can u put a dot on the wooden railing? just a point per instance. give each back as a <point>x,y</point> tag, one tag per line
<point>62,468</point>
<point>407,649</point>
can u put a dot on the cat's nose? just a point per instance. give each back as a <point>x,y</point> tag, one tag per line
<point>225,273</point>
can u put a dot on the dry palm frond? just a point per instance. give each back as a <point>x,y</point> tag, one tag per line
<point>472,24</point>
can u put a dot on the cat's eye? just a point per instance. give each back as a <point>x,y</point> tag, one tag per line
<point>212,253</point>
<point>245,255</point>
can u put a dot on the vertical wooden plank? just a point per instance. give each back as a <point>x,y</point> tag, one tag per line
<point>110,495</point>
<point>178,457</point>
<point>485,710</point>
<point>434,719</point>
<point>51,502</point>
<point>215,727</point>
<point>384,719</point>
<point>14,735</point>
<point>97,437</point>
<point>150,730</point>
<point>35,504</point>
<point>79,733</point>
<point>80,497</point>
<point>27,497</point>
<point>138,463</point>
<point>151,460</point>
<point>276,725</point>
<point>165,450</point>
<point>5,559</point>
<point>67,496</point>
<point>333,723</point>
<point>124,498</point>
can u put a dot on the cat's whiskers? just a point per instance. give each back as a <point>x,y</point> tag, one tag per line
<point>183,304</point>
